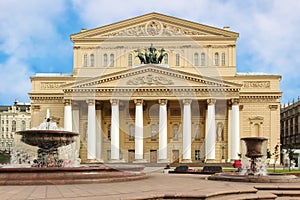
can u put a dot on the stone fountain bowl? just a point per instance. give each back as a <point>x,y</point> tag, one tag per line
<point>254,146</point>
<point>47,138</point>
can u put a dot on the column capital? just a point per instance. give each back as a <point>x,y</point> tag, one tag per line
<point>235,101</point>
<point>67,102</point>
<point>114,101</point>
<point>211,101</point>
<point>187,101</point>
<point>90,101</point>
<point>36,107</point>
<point>163,101</point>
<point>138,102</point>
<point>273,107</point>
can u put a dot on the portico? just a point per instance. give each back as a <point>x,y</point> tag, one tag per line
<point>156,121</point>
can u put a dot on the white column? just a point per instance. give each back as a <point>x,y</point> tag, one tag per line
<point>68,115</point>
<point>187,131</point>
<point>139,155</point>
<point>229,134</point>
<point>235,126</point>
<point>91,134</point>
<point>115,132</point>
<point>99,107</point>
<point>210,131</point>
<point>163,134</point>
<point>75,128</point>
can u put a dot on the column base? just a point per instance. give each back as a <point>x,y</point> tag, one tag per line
<point>93,161</point>
<point>140,161</point>
<point>210,161</point>
<point>186,161</point>
<point>116,161</point>
<point>163,161</point>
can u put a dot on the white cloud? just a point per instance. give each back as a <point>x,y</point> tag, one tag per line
<point>15,82</point>
<point>27,34</point>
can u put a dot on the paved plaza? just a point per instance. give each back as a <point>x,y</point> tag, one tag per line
<point>157,186</point>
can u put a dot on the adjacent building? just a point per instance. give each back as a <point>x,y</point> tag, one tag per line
<point>156,88</point>
<point>289,129</point>
<point>13,118</point>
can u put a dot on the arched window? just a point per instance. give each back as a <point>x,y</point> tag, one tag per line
<point>166,59</point>
<point>23,125</point>
<point>14,126</point>
<point>175,131</point>
<point>105,60</point>
<point>202,59</point>
<point>216,59</point>
<point>112,60</point>
<point>85,60</point>
<point>109,132</point>
<point>131,132</point>
<point>130,60</point>
<point>92,60</point>
<point>223,59</point>
<point>153,132</point>
<point>256,130</point>
<point>197,132</point>
<point>177,63</point>
<point>196,59</point>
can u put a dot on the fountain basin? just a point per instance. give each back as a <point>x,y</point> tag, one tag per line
<point>254,146</point>
<point>270,178</point>
<point>47,138</point>
<point>70,175</point>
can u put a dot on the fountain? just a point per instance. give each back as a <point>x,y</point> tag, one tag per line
<point>44,143</point>
<point>256,171</point>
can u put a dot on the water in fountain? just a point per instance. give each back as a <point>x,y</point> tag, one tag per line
<point>254,158</point>
<point>46,146</point>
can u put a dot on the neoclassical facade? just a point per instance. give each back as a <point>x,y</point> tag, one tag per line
<point>191,107</point>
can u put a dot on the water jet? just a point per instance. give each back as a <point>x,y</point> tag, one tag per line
<point>49,168</point>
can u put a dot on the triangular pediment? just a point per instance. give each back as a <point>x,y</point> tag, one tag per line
<point>151,76</point>
<point>152,25</point>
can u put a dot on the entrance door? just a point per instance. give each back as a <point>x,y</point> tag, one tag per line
<point>153,156</point>
<point>175,156</point>
<point>131,155</point>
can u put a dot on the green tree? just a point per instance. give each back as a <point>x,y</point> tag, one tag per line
<point>276,155</point>
<point>290,152</point>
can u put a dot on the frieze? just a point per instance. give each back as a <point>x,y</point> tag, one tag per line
<point>48,101</point>
<point>51,85</point>
<point>150,80</point>
<point>199,94</point>
<point>259,99</point>
<point>155,28</point>
<point>256,84</point>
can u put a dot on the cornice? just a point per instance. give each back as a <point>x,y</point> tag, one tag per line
<point>208,81</point>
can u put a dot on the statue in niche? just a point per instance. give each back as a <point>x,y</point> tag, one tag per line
<point>150,55</point>
<point>220,132</point>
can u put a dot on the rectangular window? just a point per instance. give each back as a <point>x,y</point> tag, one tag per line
<point>197,154</point>
<point>153,132</point>
<point>177,59</point>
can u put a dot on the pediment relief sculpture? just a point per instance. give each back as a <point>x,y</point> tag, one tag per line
<point>156,28</point>
<point>150,80</point>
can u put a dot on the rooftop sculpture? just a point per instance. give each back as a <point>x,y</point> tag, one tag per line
<point>150,55</point>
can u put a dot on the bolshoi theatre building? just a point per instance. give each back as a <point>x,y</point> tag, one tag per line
<point>158,89</point>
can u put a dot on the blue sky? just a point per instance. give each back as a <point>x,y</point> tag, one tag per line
<point>35,35</point>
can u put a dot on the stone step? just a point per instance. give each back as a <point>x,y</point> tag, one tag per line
<point>244,196</point>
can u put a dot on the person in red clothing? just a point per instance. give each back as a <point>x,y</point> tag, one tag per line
<point>237,164</point>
